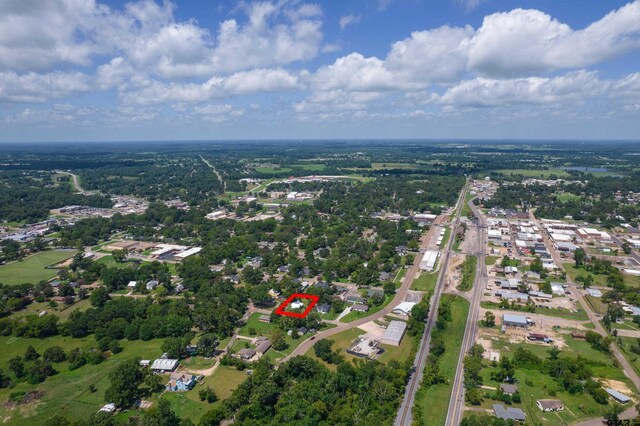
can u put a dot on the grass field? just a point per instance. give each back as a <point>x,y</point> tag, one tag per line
<point>596,304</point>
<point>491,260</point>
<point>272,170</point>
<point>341,341</point>
<point>401,353</point>
<point>309,167</point>
<point>68,391</point>
<point>32,269</point>
<point>433,402</point>
<point>599,280</point>
<point>544,174</point>
<point>567,196</point>
<point>425,282</point>
<point>468,273</point>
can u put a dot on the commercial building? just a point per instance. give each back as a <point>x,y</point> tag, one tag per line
<point>429,260</point>
<point>394,333</point>
<point>511,320</point>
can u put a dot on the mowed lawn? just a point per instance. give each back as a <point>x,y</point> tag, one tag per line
<point>434,401</point>
<point>32,269</point>
<point>535,173</point>
<point>66,393</point>
<point>425,282</point>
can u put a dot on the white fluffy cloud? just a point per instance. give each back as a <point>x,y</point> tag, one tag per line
<point>523,42</point>
<point>245,82</point>
<point>571,88</point>
<point>33,87</point>
<point>347,20</point>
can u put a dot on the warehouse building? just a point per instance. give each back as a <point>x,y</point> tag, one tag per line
<point>511,320</point>
<point>429,260</point>
<point>394,333</point>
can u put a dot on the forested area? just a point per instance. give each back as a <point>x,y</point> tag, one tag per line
<point>29,197</point>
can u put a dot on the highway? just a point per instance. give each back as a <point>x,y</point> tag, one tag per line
<point>405,413</point>
<point>456,402</point>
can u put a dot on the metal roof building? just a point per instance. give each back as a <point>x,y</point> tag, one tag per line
<point>164,364</point>
<point>429,259</point>
<point>621,398</point>
<point>514,320</point>
<point>394,333</point>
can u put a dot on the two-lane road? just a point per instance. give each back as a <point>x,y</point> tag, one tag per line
<point>456,402</point>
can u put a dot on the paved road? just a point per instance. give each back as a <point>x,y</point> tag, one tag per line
<point>628,369</point>
<point>405,413</point>
<point>76,181</point>
<point>224,184</point>
<point>456,402</point>
<point>400,297</point>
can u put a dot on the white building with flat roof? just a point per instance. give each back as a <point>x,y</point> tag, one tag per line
<point>429,260</point>
<point>394,333</point>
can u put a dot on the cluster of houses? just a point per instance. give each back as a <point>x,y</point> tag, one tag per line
<point>545,405</point>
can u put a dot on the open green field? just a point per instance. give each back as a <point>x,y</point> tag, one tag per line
<point>402,353</point>
<point>341,342</point>
<point>468,273</point>
<point>567,196</point>
<point>67,392</point>
<point>62,310</point>
<point>542,174</point>
<point>596,304</point>
<point>433,402</point>
<point>491,260</point>
<point>352,316</point>
<point>272,170</point>
<point>32,269</point>
<point>425,282</point>
<point>309,167</point>
<point>111,263</point>
<point>402,166</point>
<point>599,280</point>
<point>534,385</point>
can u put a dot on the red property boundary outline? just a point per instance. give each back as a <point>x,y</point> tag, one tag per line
<point>314,299</point>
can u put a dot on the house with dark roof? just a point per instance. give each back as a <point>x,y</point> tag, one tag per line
<point>509,413</point>
<point>323,308</point>
<point>508,388</point>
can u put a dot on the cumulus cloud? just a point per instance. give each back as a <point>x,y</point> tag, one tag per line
<point>523,42</point>
<point>241,83</point>
<point>33,87</point>
<point>574,87</point>
<point>348,20</point>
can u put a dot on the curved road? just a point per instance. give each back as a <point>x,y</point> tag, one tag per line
<point>401,295</point>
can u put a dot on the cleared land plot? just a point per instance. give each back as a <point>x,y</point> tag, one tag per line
<point>33,268</point>
<point>272,170</point>
<point>434,400</point>
<point>543,174</point>
<point>598,279</point>
<point>68,391</point>
<point>425,282</point>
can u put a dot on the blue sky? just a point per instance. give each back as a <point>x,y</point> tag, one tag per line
<point>83,70</point>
